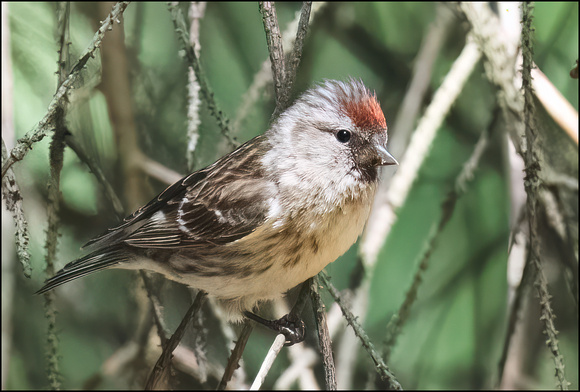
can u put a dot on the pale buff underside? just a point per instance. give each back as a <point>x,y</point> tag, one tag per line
<point>334,235</point>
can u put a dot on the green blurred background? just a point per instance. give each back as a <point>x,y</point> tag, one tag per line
<point>454,335</point>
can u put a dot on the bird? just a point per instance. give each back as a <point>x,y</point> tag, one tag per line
<point>265,217</point>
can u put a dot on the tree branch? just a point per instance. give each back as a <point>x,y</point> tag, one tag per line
<point>532,186</point>
<point>236,355</point>
<point>276,50</point>
<point>294,57</point>
<point>193,61</point>
<point>164,360</point>
<point>268,361</point>
<point>380,365</point>
<point>324,341</point>
<point>42,128</point>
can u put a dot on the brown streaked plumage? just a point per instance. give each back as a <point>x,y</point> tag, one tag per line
<point>265,217</point>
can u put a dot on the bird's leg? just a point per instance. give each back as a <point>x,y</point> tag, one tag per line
<point>290,326</point>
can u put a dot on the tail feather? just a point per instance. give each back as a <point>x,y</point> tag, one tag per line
<point>93,262</point>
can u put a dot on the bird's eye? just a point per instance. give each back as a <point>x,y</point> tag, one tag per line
<point>343,136</point>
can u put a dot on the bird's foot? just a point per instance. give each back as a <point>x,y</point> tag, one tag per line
<point>291,327</point>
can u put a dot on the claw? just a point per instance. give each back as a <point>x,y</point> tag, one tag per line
<point>292,328</point>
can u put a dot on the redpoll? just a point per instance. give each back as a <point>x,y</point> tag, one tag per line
<point>265,217</point>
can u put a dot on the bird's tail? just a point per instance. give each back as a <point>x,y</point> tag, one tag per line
<point>93,262</point>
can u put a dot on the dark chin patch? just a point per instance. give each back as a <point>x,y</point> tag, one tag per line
<point>369,174</point>
<point>365,158</point>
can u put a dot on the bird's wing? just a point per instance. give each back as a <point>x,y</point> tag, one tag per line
<point>216,205</point>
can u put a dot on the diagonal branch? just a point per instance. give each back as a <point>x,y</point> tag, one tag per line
<point>323,336</point>
<point>13,198</point>
<point>236,355</point>
<point>419,146</point>
<point>263,77</point>
<point>448,206</point>
<point>164,360</point>
<point>193,61</point>
<point>45,125</point>
<point>294,57</point>
<point>268,361</point>
<point>276,50</point>
<point>380,365</point>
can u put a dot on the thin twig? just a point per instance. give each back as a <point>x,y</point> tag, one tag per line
<point>302,358</point>
<point>420,82</point>
<point>380,365</point>
<point>52,341</point>
<point>276,50</point>
<point>264,76</point>
<point>384,213</point>
<point>294,315</point>
<point>196,12</point>
<point>294,57</point>
<point>157,170</point>
<point>164,360</point>
<point>63,40</point>
<point>193,61</point>
<point>500,56</point>
<point>52,234</point>
<point>500,60</point>
<point>298,307</point>
<point>448,207</point>
<point>300,370</point>
<point>13,198</point>
<point>324,341</point>
<point>561,111</point>
<point>416,153</point>
<point>268,361</point>
<point>156,307</point>
<point>43,128</point>
<point>106,187</point>
<point>236,355</point>
<point>56,160</point>
<point>513,321</point>
<point>13,201</point>
<point>532,186</point>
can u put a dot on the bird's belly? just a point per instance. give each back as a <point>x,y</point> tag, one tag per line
<point>271,260</point>
<point>283,258</point>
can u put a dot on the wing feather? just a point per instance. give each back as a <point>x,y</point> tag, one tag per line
<point>217,205</point>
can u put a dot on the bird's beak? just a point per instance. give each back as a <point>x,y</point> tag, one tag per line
<point>385,156</point>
